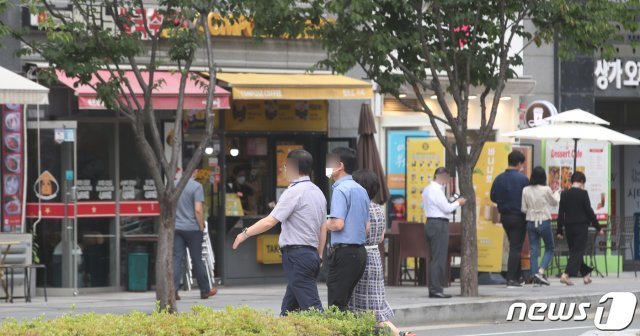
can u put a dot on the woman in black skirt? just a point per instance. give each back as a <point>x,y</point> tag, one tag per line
<point>574,216</point>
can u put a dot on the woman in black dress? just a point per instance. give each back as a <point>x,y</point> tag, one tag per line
<point>574,216</point>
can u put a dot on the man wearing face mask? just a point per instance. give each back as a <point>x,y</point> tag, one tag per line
<point>302,210</point>
<point>348,225</point>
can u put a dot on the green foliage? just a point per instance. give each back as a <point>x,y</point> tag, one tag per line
<point>199,321</point>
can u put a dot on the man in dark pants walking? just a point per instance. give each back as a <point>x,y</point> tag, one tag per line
<point>506,192</point>
<point>188,234</point>
<point>348,225</point>
<point>438,209</point>
<point>302,210</point>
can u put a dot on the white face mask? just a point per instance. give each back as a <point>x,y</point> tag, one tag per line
<point>328,171</point>
<point>241,180</point>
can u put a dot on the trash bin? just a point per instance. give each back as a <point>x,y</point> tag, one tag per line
<point>138,271</point>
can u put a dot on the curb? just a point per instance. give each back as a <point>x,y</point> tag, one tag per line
<point>493,310</point>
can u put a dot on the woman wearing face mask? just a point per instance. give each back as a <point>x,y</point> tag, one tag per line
<point>574,215</point>
<point>238,184</point>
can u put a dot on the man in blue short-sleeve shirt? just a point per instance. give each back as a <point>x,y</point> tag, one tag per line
<point>349,215</point>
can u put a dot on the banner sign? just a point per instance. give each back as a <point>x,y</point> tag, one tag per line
<point>593,160</point>
<point>424,155</point>
<point>278,115</point>
<point>492,161</point>
<point>13,170</point>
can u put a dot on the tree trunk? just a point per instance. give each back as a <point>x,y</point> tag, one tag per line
<point>469,262</point>
<point>165,291</point>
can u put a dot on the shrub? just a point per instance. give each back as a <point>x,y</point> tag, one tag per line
<point>200,320</point>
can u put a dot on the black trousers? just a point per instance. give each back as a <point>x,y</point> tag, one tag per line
<point>516,228</point>
<point>301,266</point>
<point>192,240</point>
<point>577,235</point>
<point>437,232</point>
<point>346,266</point>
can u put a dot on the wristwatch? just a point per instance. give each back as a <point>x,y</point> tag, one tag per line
<point>245,234</point>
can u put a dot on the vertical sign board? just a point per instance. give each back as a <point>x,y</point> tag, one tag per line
<point>424,155</point>
<point>396,170</point>
<point>593,160</point>
<point>13,170</point>
<point>492,161</point>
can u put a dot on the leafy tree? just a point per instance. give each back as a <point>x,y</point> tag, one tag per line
<point>81,45</point>
<point>445,48</point>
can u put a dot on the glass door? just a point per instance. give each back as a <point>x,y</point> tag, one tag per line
<point>51,200</point>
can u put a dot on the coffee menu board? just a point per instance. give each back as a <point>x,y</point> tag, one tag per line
<point>424,155</point>
<point>13,154</point>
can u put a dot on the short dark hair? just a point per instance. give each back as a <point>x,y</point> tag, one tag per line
<point>368,180</point>
<point>303,159</point>
<point>578,177</point>
<point>515,158</point>
<point>538,176</point>
<point>441,170</point>
<point>348,158</point>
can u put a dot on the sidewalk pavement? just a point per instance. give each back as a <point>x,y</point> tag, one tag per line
<point>411,304</point>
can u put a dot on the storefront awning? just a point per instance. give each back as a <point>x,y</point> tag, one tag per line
<point>15,89</point>
<point>165,96</point>
<point>253,86</point>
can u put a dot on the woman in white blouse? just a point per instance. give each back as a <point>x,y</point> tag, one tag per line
<point>537,202</point>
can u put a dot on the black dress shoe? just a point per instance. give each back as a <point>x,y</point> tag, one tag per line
<point>439,296</point>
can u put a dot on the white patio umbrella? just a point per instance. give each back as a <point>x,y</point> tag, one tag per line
<point>575,125</point>
<point>15,89</point>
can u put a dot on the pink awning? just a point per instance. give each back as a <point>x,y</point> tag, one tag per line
<point>165,96</point>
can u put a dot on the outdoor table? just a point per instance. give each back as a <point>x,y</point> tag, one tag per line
<point>3,258</point>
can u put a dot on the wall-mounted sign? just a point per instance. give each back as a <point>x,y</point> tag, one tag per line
<point>105,189</point>
<point>128,188</point>
<point>278,115</point>
<point>537,111</point>
<point>12,171</point>
<point>150,191</point>
<point>46,186</point>
<point>268,249</point>
<point>83,190</point>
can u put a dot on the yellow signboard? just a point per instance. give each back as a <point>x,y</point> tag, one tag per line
<point>492,161</point>
<point>268,250</point>
<point>278,115</point>
<point>424,155</point>
<point>233,205</point>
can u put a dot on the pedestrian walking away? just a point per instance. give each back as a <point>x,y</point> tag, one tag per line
<point>189,235</point>
<point>537,200</point>
<point>574,216</point>
<point>506,192</point>
<point>369,294</point>
<point>438,209</point>
<point>302,209</point>
<point>347,223</point>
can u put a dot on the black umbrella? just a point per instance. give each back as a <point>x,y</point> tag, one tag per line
<point>368,156</point>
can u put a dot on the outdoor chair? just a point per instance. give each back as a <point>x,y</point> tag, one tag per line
<point>413,244</point>
<point>624,237</point>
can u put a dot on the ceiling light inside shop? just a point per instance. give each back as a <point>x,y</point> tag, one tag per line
<point>402,95</point>
<point>434,97</point>
<point>234,151</point>
<point>472,97</point>
<point>208,150</point>
<point>505,98</point>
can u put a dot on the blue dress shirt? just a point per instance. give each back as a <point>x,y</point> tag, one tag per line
<point>349,202</point>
